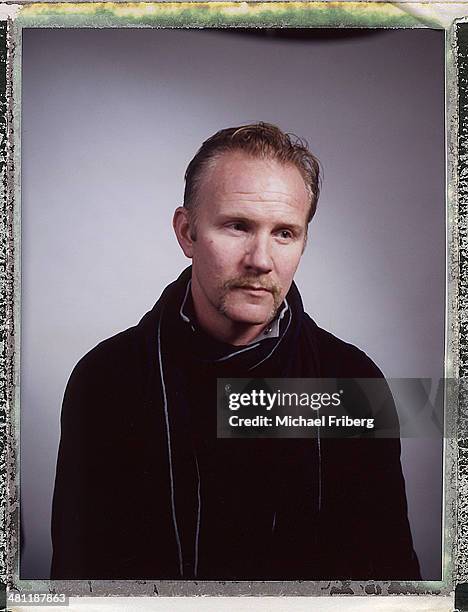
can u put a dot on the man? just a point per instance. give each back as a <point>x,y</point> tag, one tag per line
<point>144,488</point>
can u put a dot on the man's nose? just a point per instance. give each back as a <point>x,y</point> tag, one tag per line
<point>258,255</point>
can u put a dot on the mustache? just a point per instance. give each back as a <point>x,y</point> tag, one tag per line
<point>253,281</point>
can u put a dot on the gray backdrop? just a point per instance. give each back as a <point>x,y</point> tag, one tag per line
<point>110,120</point>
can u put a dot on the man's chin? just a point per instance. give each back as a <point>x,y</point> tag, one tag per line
<point>248,316</point>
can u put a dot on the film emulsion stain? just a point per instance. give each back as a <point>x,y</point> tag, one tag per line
<point>220,14</point>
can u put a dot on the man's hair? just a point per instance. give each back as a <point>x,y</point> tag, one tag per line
<point>261,141</point>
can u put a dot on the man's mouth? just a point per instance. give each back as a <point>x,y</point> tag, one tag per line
<point>252,288</point>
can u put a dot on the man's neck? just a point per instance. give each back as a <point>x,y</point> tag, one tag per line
<point>227,331</point>
<point>238,334</point>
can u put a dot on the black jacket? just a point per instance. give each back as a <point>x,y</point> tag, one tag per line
<point>145,490</point>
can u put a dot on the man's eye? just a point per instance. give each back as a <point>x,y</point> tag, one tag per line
<point>237,226</point>
<point>285,234</point>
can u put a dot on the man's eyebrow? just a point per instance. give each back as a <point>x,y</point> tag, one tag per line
<point>233,216</point>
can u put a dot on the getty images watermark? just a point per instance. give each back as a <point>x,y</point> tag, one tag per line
<point>286,400</point>
<point>351,407</point>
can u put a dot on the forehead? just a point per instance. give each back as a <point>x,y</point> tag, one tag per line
<point>237,173</point>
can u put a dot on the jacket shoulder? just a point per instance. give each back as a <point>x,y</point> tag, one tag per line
<point>108,355</point>
<point>342,359</point>
<point>105,380</point>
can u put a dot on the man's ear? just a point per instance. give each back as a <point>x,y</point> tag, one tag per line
<point>182,227</point>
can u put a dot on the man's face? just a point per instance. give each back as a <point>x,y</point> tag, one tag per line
<point>251,221</point>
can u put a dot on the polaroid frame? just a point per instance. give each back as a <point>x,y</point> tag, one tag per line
<point>241,14</point>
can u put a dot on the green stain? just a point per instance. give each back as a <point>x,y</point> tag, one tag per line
<point>222,14</point>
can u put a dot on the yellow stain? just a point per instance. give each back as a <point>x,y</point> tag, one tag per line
<point>135,10</point>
